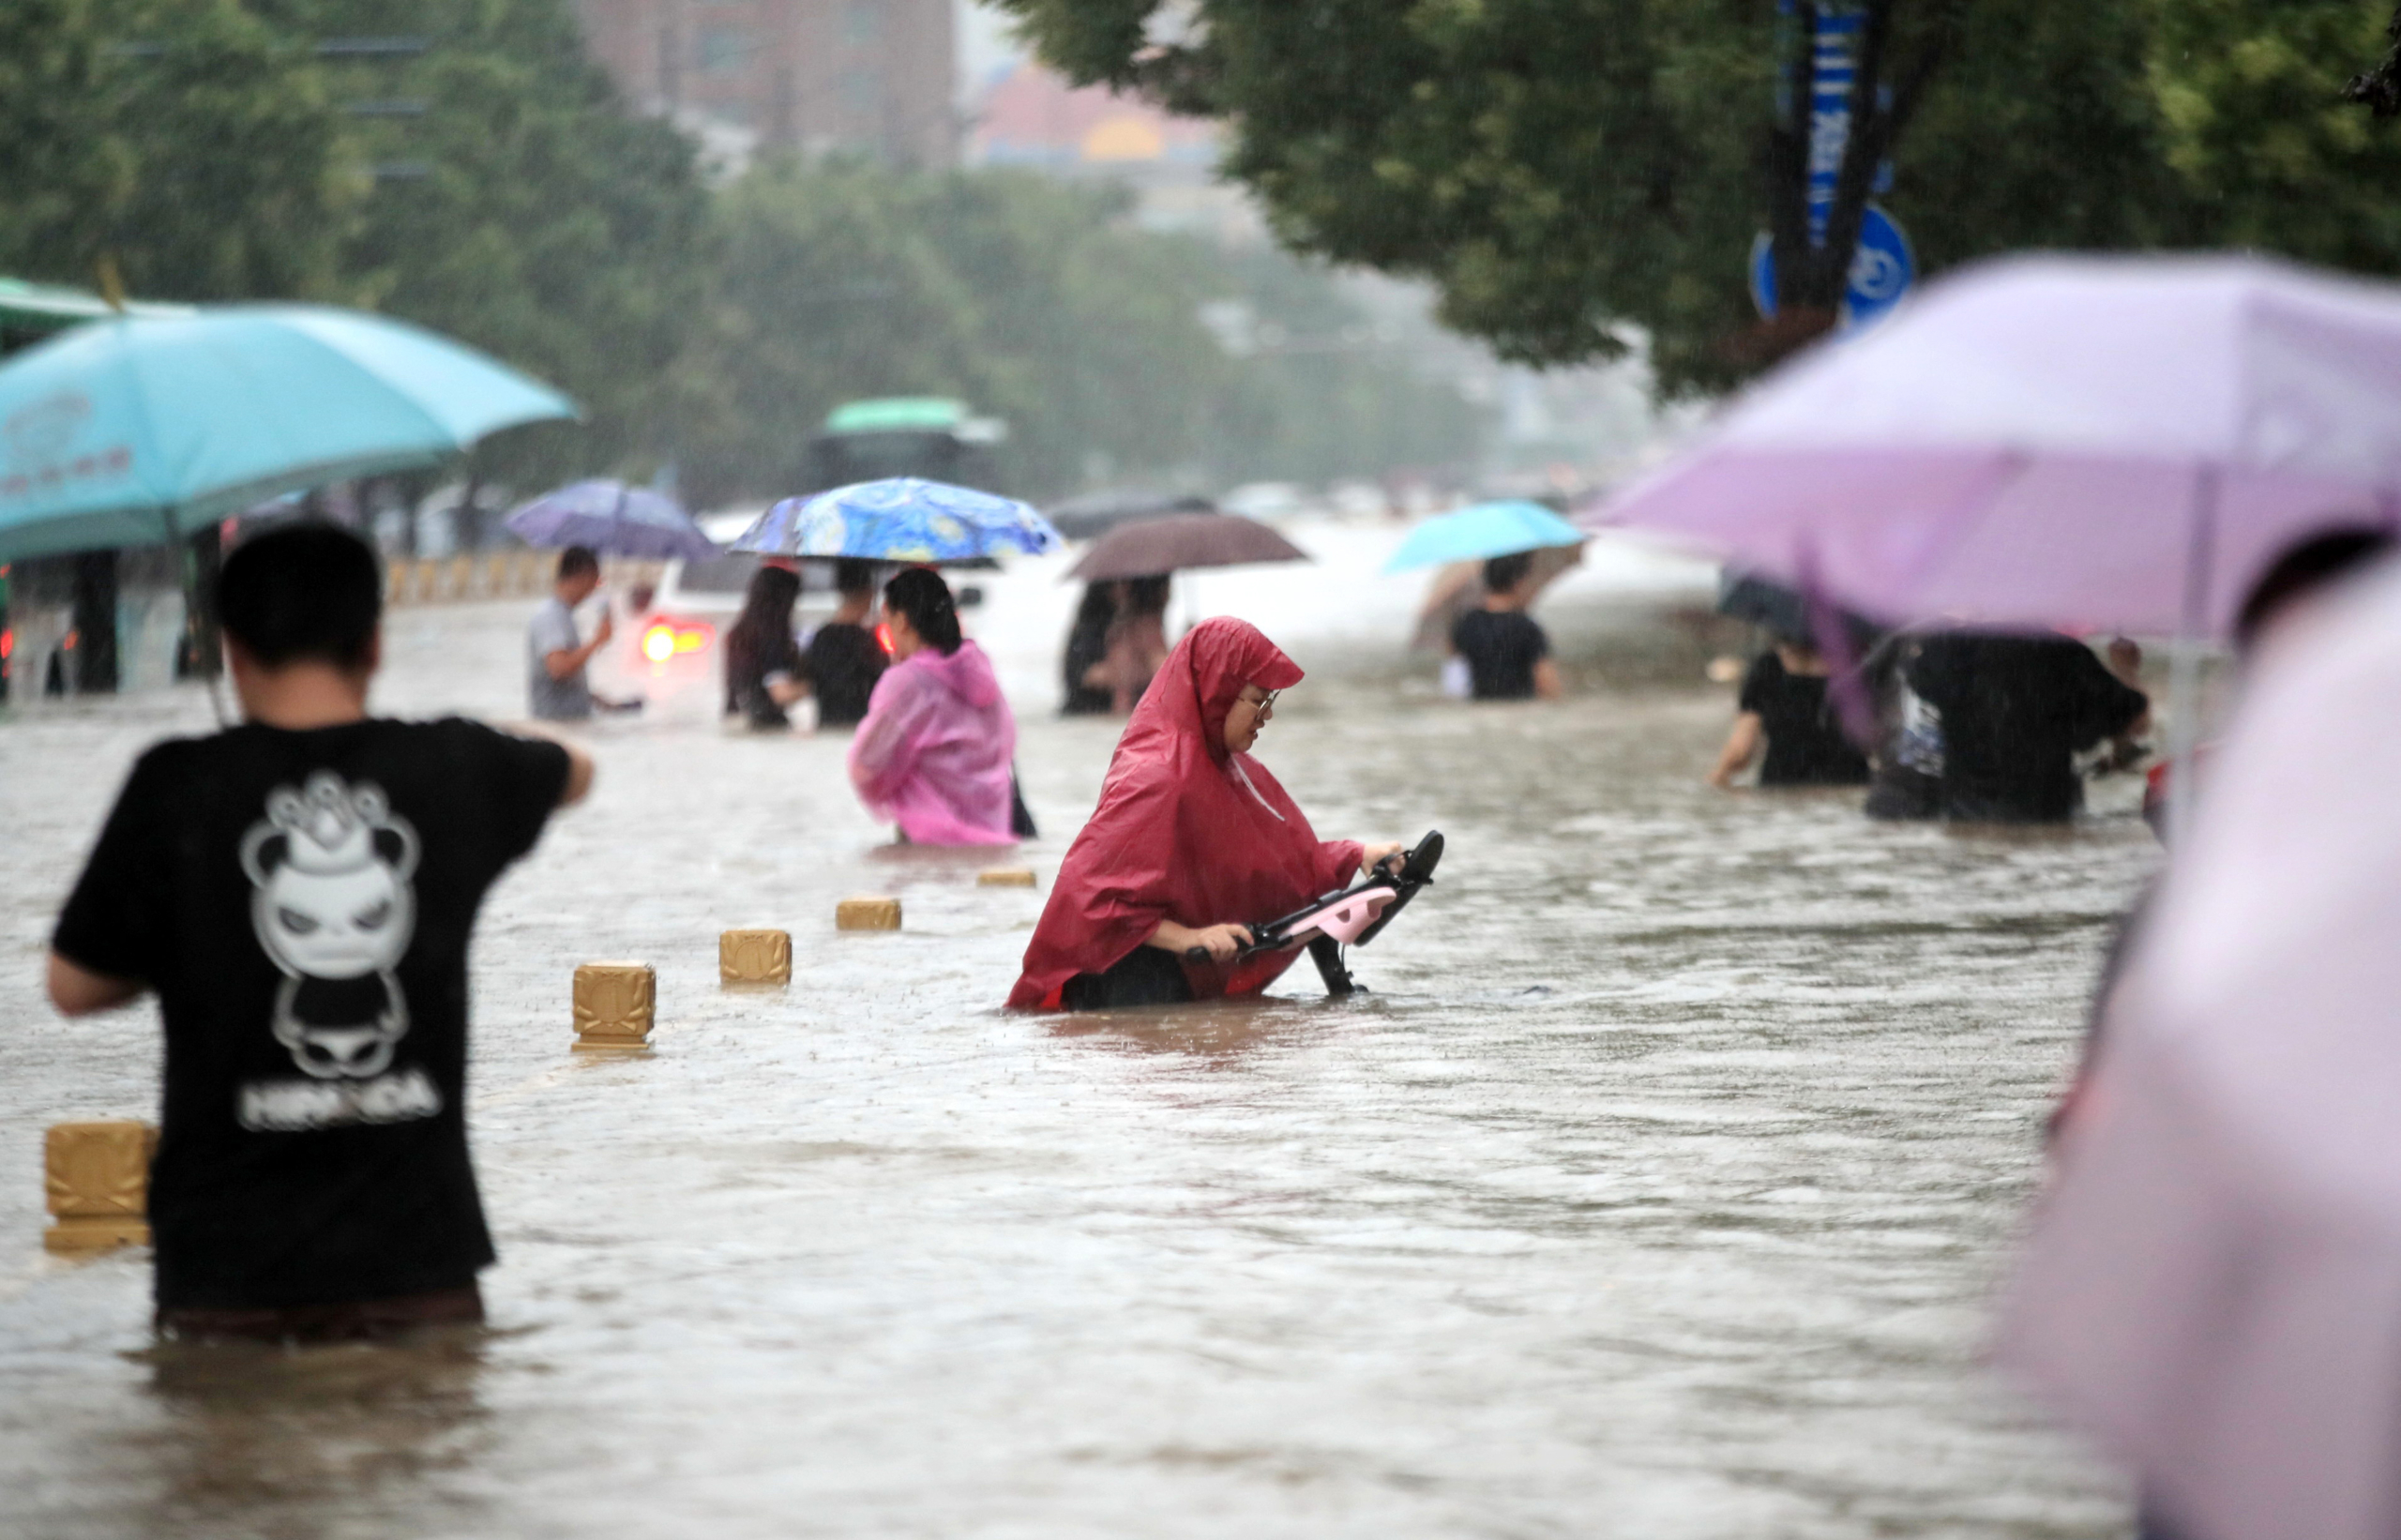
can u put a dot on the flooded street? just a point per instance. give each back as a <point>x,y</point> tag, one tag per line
<point>1656,1191</point>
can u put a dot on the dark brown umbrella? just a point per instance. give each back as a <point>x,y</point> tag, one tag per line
<point>1150,546</point>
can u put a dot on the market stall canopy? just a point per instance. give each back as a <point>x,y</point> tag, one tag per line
<point>135,429</point>
<point>49,306</point>
<point>1151,547</point>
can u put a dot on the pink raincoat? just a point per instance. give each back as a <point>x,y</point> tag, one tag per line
<point>932,753</point>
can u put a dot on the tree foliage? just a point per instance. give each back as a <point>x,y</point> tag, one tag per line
<point>1561,168</point>
<point>188,141</point>
<point>1037,303</point>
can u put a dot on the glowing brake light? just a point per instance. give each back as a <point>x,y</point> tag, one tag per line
<point>884,639</point>
<point>664,640</point>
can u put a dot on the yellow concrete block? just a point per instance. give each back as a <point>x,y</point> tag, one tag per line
<point>615,1005</point>
<point>462,577</point>
<point>1005,877</point>
<point>754,957</point>
<point>97,1179</point>
<point>868,914</point>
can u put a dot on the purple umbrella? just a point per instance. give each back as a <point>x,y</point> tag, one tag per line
<point>612,519</point>
<point>2118,442</point>
<point>2080,442</point>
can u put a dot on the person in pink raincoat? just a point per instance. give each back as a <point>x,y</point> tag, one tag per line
<point>932,753</point>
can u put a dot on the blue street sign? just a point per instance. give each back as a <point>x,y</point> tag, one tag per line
<point>1881,271</point>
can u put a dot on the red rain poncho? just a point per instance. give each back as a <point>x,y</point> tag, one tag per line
<point>1186,831</point>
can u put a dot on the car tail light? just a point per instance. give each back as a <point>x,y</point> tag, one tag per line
<point>665,638</point>
<point>884,639</point>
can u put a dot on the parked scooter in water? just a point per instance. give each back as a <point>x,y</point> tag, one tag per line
<point>1352,917</point>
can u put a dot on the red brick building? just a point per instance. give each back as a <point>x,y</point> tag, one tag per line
<point>871,76</point>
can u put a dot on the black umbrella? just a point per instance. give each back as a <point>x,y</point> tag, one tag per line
<point>1092,514</point>
<point>1175,541</point>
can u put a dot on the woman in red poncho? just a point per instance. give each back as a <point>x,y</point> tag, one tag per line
<point>1192,843</point>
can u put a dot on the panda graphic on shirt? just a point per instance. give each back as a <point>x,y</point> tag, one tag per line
<point>332,904</point>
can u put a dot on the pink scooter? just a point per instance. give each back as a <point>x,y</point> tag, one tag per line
<point>1352,917</point>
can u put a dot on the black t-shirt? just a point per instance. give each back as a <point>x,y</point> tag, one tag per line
<point>746,667</point>
<point>844,663</point>
<point>1502,647</point>
<point>2015,710</point>
<point>1805,745</point>
<point>301,902</point>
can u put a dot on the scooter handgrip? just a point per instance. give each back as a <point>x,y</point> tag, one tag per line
<point>1196,954</point>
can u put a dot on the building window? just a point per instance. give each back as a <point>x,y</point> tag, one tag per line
<point>722,49</point>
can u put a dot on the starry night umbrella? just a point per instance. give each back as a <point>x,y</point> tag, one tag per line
<point>1150,546</point>
<point>613,520</point>
<point>138,429</point>
<point>900,518</point>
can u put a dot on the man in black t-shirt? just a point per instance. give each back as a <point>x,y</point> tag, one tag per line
<point>299,891</point>
<point>1507,656</point>
<point>2015,711</point>
<point>845,659</point>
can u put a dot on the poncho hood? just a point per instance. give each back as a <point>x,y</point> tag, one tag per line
<point>1185,830</point>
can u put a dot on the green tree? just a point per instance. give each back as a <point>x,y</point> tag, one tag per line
<point>1039,303</point>
<point>2259,131</point>
<point>525,211</point>
<point>1561,168</point>
<point>188,141</point>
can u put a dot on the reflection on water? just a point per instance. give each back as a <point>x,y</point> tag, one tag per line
<point>1655,1190</point>
<point>248,1439</point>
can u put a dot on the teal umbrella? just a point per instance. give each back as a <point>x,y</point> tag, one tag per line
<point>1485,530</point>
<point>134,430</point>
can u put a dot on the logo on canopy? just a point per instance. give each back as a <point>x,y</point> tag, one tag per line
<point>39,434</point>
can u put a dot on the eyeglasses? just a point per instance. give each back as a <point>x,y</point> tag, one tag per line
<point>1266,702</point>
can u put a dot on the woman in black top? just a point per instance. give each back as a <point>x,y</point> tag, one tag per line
<point>1784,708</point>
<point>763,673</point>
<point>1087,647</point>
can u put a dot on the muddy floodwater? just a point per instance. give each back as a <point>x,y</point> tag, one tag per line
<point>1657,1191</point>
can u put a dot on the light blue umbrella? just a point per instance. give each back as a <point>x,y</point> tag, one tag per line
<point>1484,531</point>
<point>900,519</point>
<point>137,428</point>
<point>613,520</point>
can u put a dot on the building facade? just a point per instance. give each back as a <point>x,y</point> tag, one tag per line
<point>870,77</point>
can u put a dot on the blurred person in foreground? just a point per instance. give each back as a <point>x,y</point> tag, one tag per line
<point>1193,841</point>
<point>556,657</point>
<point>2015,711</point>
<point>1506,653</point>
<point>299,891</point>
<point>2301,574</point>
<point>932,753</point>
<point>845,659</point>
<point>2211,1284</point>
<point>1783,710</point>
<point>764,673</point>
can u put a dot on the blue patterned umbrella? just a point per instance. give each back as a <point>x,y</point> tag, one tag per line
<point>612,519</point>
<point>900,518</point>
